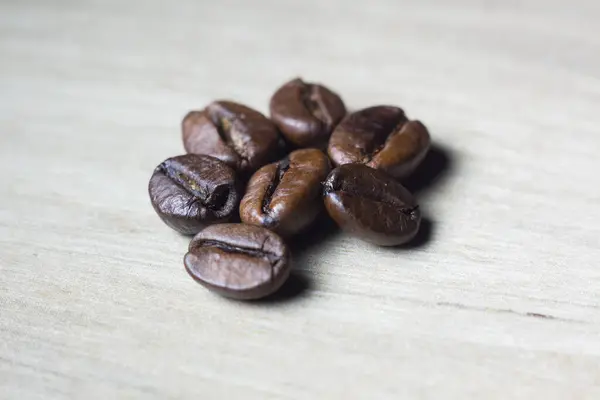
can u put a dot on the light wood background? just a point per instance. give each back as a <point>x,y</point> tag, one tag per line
<point>498,299</point>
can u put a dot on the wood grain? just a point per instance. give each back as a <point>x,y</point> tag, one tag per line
<point>498,298</point>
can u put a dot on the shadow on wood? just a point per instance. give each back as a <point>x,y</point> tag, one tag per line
<point>299,283</point>
<point>423,237</point>
<point>297,286</point>
<point>437,165</point>
<point>322,231</point>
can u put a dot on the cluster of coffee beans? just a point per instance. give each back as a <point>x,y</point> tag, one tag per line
<point>274,176</point>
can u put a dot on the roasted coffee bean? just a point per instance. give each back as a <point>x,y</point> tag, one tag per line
<point>306,113</point>
<point>241,137</point>
<point>286,196</point>
<point>382,138</point>
<point>238,260</point>
<point>191,191</point>
<point>371,205</point>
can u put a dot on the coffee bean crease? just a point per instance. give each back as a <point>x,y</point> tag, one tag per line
<point>231,133</point>
<point>189,181</point>
<point>229,248</point>
<point>313,101</point>
<point>282,168</point>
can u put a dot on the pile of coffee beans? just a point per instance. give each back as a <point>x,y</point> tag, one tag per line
<point>275,176</point>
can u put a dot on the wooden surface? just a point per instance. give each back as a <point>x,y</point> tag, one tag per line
<point>498,298</point>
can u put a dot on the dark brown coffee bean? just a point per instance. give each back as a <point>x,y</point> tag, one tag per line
<point>241,137</point>
<point>382,138</point>
<point>286,196</point>
<point>371,205</point>
<point>306,113</point>
<point>191,191</point>
<point>238,260</point>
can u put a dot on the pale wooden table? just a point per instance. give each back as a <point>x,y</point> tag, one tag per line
<point>500,297</point>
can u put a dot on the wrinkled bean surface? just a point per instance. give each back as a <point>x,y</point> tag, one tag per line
<point>192,191</point>
<point>241,137</point>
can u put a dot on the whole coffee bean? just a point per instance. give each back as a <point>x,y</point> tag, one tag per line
<point>286,196</point>
<point>238,260</point>
<point>371,205</point>
<point>241,137</point>
<point>306,113</point>
<point>382,138</point>
<point>191,191</point>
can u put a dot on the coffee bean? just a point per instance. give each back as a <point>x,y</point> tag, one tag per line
<point>238,260</point>
<point>286,196</point>
<point>241,137</point>
<point>382,138</point>
<point>306,113</point>
<point>371,205</point>
<point>191,191</point>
